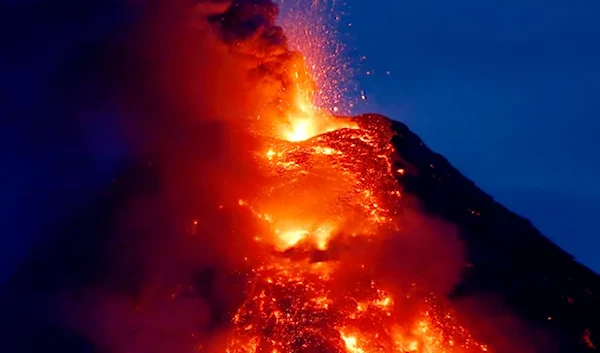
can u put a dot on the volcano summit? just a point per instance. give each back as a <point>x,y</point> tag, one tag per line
<point>251,220</point>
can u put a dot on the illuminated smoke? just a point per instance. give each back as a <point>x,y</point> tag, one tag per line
<point>313,28</point>
<point>274,226</point>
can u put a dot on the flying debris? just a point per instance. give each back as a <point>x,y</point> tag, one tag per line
<point>269,221</point>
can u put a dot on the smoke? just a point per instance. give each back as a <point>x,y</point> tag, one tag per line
<point>191,79</point>
<point>427,251</point>
<point>199,75</point>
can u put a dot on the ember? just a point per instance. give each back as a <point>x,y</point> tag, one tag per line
<point>296,306</point>
<point>325,196</point>
<point>327,190</point>
<point>256,217</point>
<point>307,232</point>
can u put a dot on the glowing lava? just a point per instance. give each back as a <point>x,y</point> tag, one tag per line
<point>304,127</point>
<point>304,118</point>
<point>327,195</point>
<point>296,306</point>
<point>333,194</point>
<point>329,190</point>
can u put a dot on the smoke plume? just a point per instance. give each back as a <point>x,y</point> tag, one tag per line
<point>196,82</point>
<point>200,77</point>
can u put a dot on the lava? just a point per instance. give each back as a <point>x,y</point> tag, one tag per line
<point>303,119</point>
<point>324,197</point>
<point>298,306</point>
<point>327,194</point>
<point>267,220</point>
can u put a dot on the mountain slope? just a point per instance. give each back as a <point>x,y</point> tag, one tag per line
<point>512,266</point>
<point>509,257</point>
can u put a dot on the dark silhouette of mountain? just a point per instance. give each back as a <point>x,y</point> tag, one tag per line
<point>548,209</point>
<point>509,257</point>
<point>75,256</point>
<point>510,261</point>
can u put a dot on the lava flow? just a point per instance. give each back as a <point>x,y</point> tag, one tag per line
<point>326,200</point>
<point>330,195</point>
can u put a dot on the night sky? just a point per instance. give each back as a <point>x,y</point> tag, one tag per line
<point>506,90</point>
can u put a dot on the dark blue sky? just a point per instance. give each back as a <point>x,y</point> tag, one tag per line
<point>507,90</point>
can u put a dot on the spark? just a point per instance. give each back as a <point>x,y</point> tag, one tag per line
<point>327,183</point>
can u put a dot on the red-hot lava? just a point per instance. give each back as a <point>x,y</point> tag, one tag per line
<point>327,196</point>
<point>327,200</point>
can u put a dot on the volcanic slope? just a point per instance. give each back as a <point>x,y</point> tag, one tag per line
<point>508,257</point>
<point>511,267</point>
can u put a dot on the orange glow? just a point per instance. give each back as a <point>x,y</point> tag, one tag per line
<point>306,111</point>
<point>290,238</point>
<point>337,187</point>
<point>301,129</point>
<point>304,119</point>
<point>302,304</point>
<point>308,202</point>
<point>305,127</point>
<point>327,185</point>
<point>351,344</point>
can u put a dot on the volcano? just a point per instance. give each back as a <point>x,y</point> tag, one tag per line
<point>316,285</point>
<point>254,217</point>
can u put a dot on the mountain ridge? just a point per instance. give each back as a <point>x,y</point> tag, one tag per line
<point>508,256</point>
<point>509,259</point>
